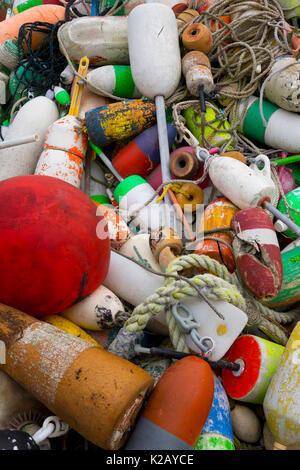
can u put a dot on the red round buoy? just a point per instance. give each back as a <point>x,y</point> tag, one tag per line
<point>50,254</point>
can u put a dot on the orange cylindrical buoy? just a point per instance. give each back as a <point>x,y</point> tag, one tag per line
<point>177,409</point>
<point>189,196</point>
<point>97,393</point>
<point>236,155</point>
<point>218,214</point>
<point>197,37</point>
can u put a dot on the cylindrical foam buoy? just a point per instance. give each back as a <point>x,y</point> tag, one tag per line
<point>189,196</point>
<point>17,440</point>
<point>57,257</point>
<point>217,431</point>
<point>197,71</point>
<point>197,37</point>
<point>138,248</point>
<point>64,151</point>
<point>119,121</point>
<point>89,100</point>
<point>290,287</point>
<point>217,214</point>
<point>43,13</point>
<point>117,228</point>
<point>103,39</point>
<point>97,311</point>
<point>257,252</point>
<point>258,359</point>
<point>70,327</point>
<point>34,117</point>
<point>153,39</point>
<point>115,79</point>
<point>178,408</point>
<point>142,154</point>
<point>282,400</point>
<point>281,129</point>
<point>97,393</point>
<point>245,424</point>
<point>293,200</point>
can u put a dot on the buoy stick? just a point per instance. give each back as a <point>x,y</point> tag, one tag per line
<point>163,141</point>
<point>106,161</point>
<point>291,225</point>
<point>76,98</point>
<point>20,141</point>
<point>287,160</point>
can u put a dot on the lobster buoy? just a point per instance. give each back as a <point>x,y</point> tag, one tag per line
<point>292,198</point>
<point>258,359</point>
<point>177,409</point>
<point>43,13</point>
<point>119,121</point>
<point>280,131</point>
<point>257,252</point>
<point>57,258</point>
<point>70,327</point>
<point>114,79</point>
<point>157,45</point>
<point>33,118</point>
<point>282,400</point>
<point>22,5</point>
<point>217,431</point>
<point>89,100</point>
<point>17,440</point>
<point>64,151</point>
<point>97,393</point>
<point>118,230</point>
<point>141,155</point>
<point>218,214</point>
<point>215,138</point>
<point>103,39</point>
<point>290,287</point>
<point>97,311</point>
<point>280,89</point>
<point>138,248</point>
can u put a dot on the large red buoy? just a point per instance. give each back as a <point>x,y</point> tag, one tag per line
<point>51,256</point>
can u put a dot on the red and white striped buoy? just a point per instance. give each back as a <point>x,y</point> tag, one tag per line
<point>257,252</point>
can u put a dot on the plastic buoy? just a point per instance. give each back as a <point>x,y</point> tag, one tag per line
<point>17,440</point>
<point>292,199</point>
<point>97,393</point>
<point>70,327</point>
<point>33,118</point>
<point>187,387</point>
<point>258,359</point>
<point>45,268</point>
<point>138,248</point>
<point>197,37</point>
<point>245,424</point>
<point>102,39</point>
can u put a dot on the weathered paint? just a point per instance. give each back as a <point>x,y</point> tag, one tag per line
<point>119,120</point>
<point>217,432</point>
<point>257,252</point>
<point>282,400</point>
<point>290,288</point>
<point>259,359</point>
<point>64,151</point>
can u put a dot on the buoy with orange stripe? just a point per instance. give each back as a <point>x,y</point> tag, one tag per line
<point>177,409</point>
<point>258,359</point>
<point>65,143</point>
<point>257,252</point>
<point>218,214</point>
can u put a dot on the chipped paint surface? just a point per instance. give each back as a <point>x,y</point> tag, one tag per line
<point>282,401</point>
<point>56,352</point>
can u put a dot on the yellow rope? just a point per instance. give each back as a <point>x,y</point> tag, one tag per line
<point>176,187</point>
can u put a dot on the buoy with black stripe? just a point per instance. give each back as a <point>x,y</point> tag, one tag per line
<point>177,409</point>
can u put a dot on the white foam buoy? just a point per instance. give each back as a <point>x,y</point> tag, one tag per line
<point>97,311</point>
<point>33,118</point>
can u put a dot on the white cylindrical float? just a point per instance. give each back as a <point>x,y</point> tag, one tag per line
<point>97,311</point>
<point>282,127</point>
<point>33,118</point>
<point>103,39</point>
<point>282,400</point>
<point>250,183</point>
<point>130,281</point>
<point>64,151</point>
<point>283,88</point>
<point>159,45</point>
<point>114,79</point>
<point>138,248</point>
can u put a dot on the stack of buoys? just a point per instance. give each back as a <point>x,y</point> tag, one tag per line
<point>149,225</point>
